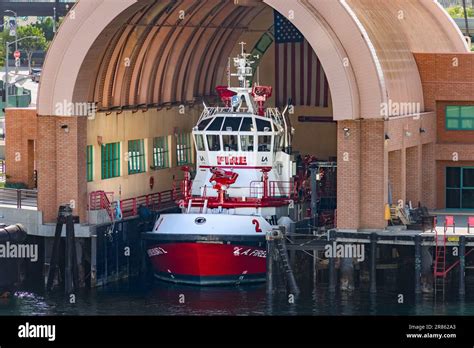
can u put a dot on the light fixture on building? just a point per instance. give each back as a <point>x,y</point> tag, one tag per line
<point>408,134</point>
<point>422,130</point>
<point>65,127</point>
<point>387,137</point>
<point>347,132</point>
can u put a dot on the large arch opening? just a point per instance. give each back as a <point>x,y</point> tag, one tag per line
<point>147,65</point>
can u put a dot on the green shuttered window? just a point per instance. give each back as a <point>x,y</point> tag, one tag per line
<point>183,149</point>
<point>160,153</point>
<point>90,163</point>
<point>136,156</point>
<point>110,160</point>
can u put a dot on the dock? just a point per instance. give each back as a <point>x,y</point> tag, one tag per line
<point>437,256</point>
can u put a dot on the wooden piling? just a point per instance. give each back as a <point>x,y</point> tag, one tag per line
<point>332,264</point>
<point>314,169</point>
<point>417,264</point>
<point>373,263</point>
<point>270,256</point>
<point>71,271</point>
<point>347,274</point>
<point>54,260</point>
<point>462,265</point>
<point>71,274</point>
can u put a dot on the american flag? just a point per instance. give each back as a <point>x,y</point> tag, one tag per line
<point>299,74</point>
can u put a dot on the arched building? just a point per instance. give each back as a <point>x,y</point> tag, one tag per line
<point>399,74</point>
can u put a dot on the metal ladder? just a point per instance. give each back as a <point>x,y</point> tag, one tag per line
<point>439,270</point>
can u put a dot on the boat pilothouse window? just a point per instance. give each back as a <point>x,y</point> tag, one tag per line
<point>213,142</point>
<point>230,142</point>
<point>247,125</point>
<point>232,124</point>
<point>203,124</point>
<point>263,126</point>
<point>216,125</point>
<point>200,142</point>
<point>264,143</point>
<point>246,143</point>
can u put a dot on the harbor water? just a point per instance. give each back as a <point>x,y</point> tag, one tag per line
<point>137,297</point>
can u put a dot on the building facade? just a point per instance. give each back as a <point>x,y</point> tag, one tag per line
<point>397,79</point>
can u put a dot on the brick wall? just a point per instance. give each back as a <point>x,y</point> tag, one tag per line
<point>413,175</point>
<point>20,129</point>
<point>450,136</point>
<point>362,175</point>
<point>61,165</point>
<point>47,168</point>
<point>428,181</point>
<point>348,175</point>
<point>395,175</point>
<point>374,174</point>
<point>447,79</point>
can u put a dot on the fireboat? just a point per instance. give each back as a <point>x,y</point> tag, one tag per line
<point>243,187</point>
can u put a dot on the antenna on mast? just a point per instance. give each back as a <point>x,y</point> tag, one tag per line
<point>243,48</point>
<point>244,68</point>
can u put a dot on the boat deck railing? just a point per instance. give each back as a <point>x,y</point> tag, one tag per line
<point>158,201</point>
<point>270,113</point>
<point>276,189</point>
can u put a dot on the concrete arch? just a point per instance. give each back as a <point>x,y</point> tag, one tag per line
<point>364,46</point>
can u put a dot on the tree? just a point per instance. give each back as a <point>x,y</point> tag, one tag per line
<point>4,37</point>
<point>458,12</point>
<point>30,45</point>
<point>46,24</point>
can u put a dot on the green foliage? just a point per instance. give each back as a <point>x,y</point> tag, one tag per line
<point>43,29</point>
<point>30,45</point>
<point>4,37</point>
<point>458,12</point>
<point>46,25</point>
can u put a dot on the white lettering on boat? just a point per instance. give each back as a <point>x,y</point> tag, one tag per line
<point>240,251</point>
<point>156,251</point>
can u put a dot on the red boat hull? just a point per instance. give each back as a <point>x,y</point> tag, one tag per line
<point>208,263</point>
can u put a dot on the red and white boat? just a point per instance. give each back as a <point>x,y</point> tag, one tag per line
<point>242,188</point>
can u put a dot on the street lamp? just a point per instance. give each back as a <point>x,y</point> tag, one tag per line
<point>7,47</point>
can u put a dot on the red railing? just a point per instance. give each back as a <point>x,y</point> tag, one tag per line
<point>129,207</point>
<point>256,189</point>
<point>102,200</point>
<point>283,189</point>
